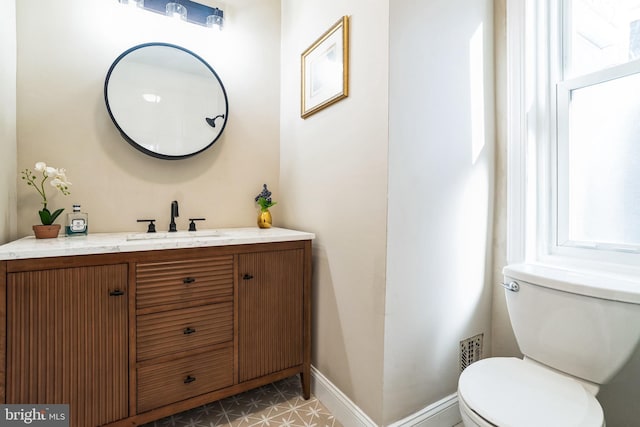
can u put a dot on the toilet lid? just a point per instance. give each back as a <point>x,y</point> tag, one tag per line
<point>510,392</point>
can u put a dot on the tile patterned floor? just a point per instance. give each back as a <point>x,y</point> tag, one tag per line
<point>275,405</point>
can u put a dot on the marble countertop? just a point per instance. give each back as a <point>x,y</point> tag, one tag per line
<point>102,243</point>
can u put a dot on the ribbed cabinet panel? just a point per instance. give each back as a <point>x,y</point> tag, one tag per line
<point>270,305</point>
<point>172,381</point>
<point>67,341</point>
<point>193,281</point>
<point>183,330</point>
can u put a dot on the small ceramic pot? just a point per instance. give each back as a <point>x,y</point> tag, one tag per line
<point>46,231</point>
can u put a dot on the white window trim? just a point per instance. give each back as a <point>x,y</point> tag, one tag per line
<point>516,133</point>
<point>526,215</point>
<point>521,122</point>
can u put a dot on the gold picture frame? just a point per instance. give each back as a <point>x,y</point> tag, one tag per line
<point>325,69</point>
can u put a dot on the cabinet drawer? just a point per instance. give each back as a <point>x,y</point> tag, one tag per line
<point>193,280</point>
<point>164,383</point>
<point>182,330</point>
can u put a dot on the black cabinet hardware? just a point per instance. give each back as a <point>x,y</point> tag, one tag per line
<point>189,331</point>
<point>247,277</point>
<point>189,379</point>
<point>188,280</point>
<point>116,293</point>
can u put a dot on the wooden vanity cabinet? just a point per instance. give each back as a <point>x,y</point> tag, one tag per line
<point>128,338</point>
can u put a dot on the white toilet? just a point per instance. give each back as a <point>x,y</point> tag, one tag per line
<point>576,332</point>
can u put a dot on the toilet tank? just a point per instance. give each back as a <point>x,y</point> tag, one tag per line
<point>581,324</point>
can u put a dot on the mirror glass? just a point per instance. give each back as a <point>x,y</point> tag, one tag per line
<point>165,100</point>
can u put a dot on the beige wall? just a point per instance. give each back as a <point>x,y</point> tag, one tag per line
<point>333,181</point>
<point>7,121</point>
<point>399,192</point>
<point>441,163</point>
<point>63,56</point>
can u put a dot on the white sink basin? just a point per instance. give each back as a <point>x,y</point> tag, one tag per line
<point>174,235</point>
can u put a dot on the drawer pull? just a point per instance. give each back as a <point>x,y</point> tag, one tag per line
<point>189,379</point>
<point>116,293</point>
<point>188,280</point>
<point>247,277</point>
<point>189,331</point>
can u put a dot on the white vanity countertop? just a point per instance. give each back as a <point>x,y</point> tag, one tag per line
<point>103,243</point>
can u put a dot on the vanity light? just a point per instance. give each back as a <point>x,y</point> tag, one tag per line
<point>176,10</point>
<point>186,10</point>
<point>138,3</point>
<point>216,19</point>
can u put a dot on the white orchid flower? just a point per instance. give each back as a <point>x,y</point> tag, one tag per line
<point>62,176</point>
<point>58,181</point>
<point>61,184</point>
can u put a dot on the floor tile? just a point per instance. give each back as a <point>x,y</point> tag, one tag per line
<point>275,405</point>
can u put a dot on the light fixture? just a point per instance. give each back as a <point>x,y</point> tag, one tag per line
<point>216,19</point>
<point>187,10</point>
<point>138,3</point>
<point>176,10</point>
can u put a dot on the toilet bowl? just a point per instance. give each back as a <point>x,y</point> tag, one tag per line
<point>576,332</point>
<point>510,392</point>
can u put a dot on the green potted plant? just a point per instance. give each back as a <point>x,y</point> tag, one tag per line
<point>59,180</point>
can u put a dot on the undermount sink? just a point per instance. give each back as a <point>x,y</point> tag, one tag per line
<point>174,235</point>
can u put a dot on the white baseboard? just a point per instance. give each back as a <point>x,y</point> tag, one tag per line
<point>443,413</point>
<point>337,402</point>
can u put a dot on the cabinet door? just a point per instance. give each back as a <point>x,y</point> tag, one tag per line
<point>270,305</point>
<point>67,340</point>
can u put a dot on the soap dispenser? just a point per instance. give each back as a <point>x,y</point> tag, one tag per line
<point>77,222</point>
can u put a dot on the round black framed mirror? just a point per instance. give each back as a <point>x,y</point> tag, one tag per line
<point>165,100</point>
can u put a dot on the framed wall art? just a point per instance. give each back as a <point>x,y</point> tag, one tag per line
<point>325,69</point>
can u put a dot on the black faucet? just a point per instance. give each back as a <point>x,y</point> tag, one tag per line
<point>174,214</point>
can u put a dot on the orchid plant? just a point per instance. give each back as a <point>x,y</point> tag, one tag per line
<point>58,180</point>
<point>264,199</point>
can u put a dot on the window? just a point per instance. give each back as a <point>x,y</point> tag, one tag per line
<point>575,130</point>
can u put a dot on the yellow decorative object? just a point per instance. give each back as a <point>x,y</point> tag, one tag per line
<point>264,201</point>
<point>264,219</point>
